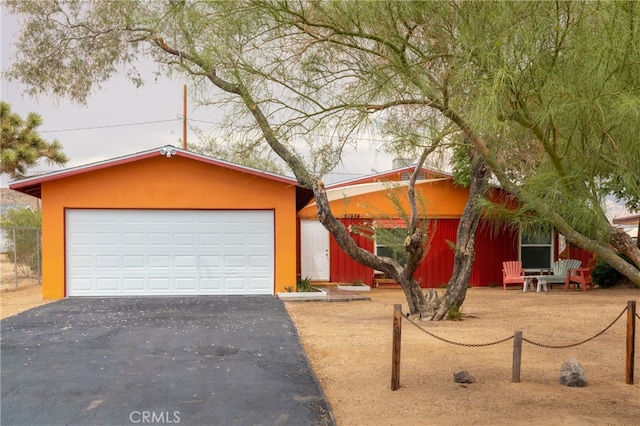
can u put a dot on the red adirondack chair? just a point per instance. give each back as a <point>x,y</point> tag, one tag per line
<point>579,276</point>
<point>512,273</point>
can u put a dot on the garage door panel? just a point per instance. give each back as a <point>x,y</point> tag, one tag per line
<point>212,261</point>
<point>107,262</point>
<point>160,283</point>
<point>133,262</point>
<point>122,252</point>
<point>132,239</point>
<point>163,262</point>
<point>81,262</point>
<point>133,285</point>
<point>186,284</point>
<point>109,285</point>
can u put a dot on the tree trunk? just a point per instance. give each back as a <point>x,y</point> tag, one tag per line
<point>438,309</point>
<point>402,275</point>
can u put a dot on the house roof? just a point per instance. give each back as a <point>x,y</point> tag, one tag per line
<point>627,220</point>
<point>340,192</point>
<point>32,185</point>
<point>392,175</point>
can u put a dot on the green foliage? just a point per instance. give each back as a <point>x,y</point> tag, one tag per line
<point>454,313</point>
<point>22,147</point>
<point>546,92</point>
<point>26,223</point>
<point>250,153</point>
<point>461,166</point>
<point>303,285</point>
<point>605,275</point>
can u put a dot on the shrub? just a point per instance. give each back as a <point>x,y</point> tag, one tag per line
<point>454,313</point>
<point>304,285</point>
<point>26,245</point>
<point>605,275</point>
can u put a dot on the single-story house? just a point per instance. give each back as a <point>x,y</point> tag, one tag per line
<point>367,201</point>
<point>172,222</point>
<point>166,222</point>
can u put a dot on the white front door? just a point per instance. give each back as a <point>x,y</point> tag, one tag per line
<point>314,247</point>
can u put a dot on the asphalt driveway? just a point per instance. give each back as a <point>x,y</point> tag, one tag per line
<point>172,360</point>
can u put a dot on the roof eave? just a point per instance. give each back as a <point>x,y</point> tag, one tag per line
<point>32,185</point>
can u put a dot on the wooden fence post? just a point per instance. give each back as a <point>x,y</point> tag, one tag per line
<point>631,341</point>
<point>395,356</point>
<point>517,356</point>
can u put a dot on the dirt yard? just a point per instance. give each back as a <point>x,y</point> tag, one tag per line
<point>27,295</point>
<point>349,347</point>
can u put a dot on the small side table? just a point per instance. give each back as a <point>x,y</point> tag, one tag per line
<point>541,283</point>
<point>528,283</point>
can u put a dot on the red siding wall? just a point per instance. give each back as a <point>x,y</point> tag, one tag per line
<point>342,268</point>
<point>492,248</point>
<point>585,256</point>
<point>437,265</point>
<point>494,245</point>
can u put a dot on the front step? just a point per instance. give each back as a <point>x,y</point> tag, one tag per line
<point>385,283</point>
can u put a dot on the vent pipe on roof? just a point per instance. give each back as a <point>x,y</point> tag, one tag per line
<point>399,163</point>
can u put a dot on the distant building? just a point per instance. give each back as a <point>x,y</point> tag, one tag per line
<point>629,224</point>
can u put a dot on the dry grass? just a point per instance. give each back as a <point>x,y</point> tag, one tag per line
<point>349,346</point>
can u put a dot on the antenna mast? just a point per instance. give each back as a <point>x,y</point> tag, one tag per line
<point>184,117</point>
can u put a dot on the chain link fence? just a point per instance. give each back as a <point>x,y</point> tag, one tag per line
<point>20,258</point>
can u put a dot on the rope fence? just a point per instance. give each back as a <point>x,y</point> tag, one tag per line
<point>518,338</point>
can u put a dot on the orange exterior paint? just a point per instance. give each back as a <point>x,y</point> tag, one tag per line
<point>438,199</point>
<point>165,183</point>
<point>442,203</point>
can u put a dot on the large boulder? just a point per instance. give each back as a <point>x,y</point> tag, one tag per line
<point>573,374</point>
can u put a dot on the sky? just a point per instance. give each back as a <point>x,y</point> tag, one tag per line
<point>121,119</point>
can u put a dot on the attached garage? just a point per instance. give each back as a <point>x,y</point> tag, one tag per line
<point>169,252</point>
<point>166,222</point>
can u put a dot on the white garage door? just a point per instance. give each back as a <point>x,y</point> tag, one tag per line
<point>169,252</point>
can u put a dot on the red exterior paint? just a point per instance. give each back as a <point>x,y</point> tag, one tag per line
<point>436,267</point>
<point>494,244</point>
<point>341,267</point>
<point>586,257</point>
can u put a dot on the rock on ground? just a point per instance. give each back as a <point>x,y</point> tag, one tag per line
<point>573,374</point>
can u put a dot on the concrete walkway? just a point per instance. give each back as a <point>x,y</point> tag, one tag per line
<point>332,294</point>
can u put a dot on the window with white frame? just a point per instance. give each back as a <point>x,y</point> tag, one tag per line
<point>389,242</point>
<point>536,249</point>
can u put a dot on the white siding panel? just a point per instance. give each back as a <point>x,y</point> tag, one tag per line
<point>169,252</point>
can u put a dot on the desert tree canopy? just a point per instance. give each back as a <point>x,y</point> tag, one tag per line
<point>543,95</point>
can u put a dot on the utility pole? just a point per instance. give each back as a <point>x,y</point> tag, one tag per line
<point>184,117</point>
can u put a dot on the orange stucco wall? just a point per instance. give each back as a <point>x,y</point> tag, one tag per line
<point>165,183</point>
<point>441,199</point>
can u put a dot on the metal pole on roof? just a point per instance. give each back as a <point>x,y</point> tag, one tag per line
<point>184,117</point>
